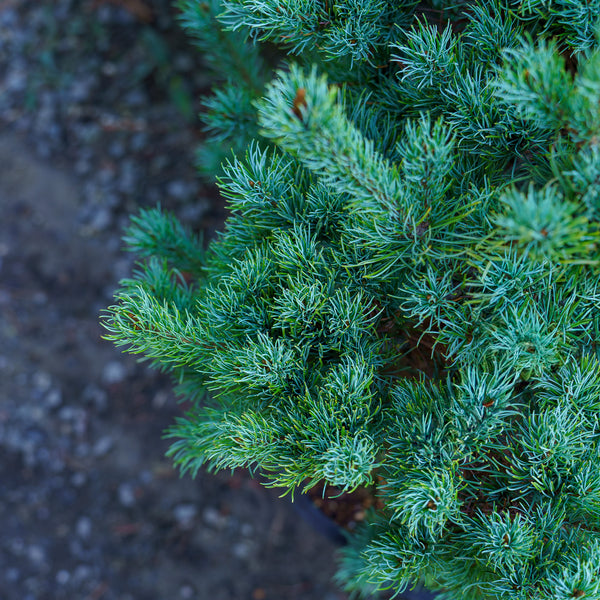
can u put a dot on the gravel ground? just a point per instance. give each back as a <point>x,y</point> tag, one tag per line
<point>97,105</point>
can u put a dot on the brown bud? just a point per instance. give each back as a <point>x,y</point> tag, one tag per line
<point>299,101</point>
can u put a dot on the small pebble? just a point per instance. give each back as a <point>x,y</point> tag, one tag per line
<point>212,517</point>
<point>103,446</point>
<point>160,399</point>
<point>242,550</point>
<point>178,189</point>
<point>36,554</point>
<point>126,494</point>
<point>185,514</point>
<point>42,381</point>
<point>101,219</point>
<point>80,89</point>
<point>78,479</point>
<point>40,298</point>
<point>62,577</point>
<point>186,592</point>
<point>53,398</point>
<point>114,372</point>
<point>84,527</point>
<point>67,413</point>
<point>109,69</point>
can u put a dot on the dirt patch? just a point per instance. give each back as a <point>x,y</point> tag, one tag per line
<point>89,506</point>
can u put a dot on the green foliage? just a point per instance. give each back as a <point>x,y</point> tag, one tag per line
<point>349,30</point>
<point>230,119</point>
<point>406,295</point>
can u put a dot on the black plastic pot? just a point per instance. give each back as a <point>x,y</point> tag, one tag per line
<point>330,530</point>
<point>318,521</point>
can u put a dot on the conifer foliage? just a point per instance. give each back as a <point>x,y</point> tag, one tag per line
<point>406,294</point>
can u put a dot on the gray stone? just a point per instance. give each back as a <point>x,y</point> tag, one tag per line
<point>126,494</point>
<point>186,592</point>
<point>114,372</point>
<point>178,189</point>
<point>42,381</point>
<point>36,554</point>
<point>84,527</point>
<point>212,517</point>
<point>53,398</point>
<point>101,220</point>
<point>242,550</point>
<point>185,515</point>
<point>63,577</point>
<point>78,479</point>
<point>103,446</point>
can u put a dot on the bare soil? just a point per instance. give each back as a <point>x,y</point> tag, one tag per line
<point>90,508</point>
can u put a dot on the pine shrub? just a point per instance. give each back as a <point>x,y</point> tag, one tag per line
<point>405,296</point>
